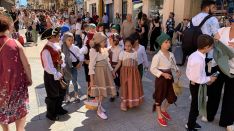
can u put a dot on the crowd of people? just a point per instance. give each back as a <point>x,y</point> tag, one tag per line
<point>114,59</point>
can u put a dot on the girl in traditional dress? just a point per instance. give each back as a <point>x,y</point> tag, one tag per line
<point>100,71</point>
<point>161,66</point>
<point>130,79</point>
<point>114,52</point>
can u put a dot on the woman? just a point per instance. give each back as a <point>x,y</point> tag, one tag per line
<point>227,114</point>
<point>117,20</point>
<point>73,60</point>
<point>155,32</point>
<point>15,77</point>
<point>101,73</point>
<point>180,28</point>
<point>144,29</point>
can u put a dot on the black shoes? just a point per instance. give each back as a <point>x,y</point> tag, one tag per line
<point>195,128</point>
<point>62,112</point>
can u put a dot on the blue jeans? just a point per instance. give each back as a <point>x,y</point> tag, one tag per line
<point>74,79</point>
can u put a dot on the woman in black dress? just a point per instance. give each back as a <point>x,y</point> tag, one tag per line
<point>144,30</point>
<point>155,32</point>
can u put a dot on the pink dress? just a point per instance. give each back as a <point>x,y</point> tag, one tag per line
<point>13,83</point>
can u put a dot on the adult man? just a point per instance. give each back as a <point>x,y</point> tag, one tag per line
<point>51,62</point>
<point>170,24</point>
<point>127,27</point>
<point>210,27</point>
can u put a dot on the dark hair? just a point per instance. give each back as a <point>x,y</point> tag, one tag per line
<point>134,37</point>
<point>79,20</point>
<point>172,13</point>
<point>206,3</point>
<point>5,23</point>
<point>156,19</point>
<point>129,40</point>
<point>204,41</point>
<point>116,38</point>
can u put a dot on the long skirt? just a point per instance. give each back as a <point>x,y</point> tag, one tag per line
<point>164,90</point>
<point>103,81</point>
<point>131,86</point>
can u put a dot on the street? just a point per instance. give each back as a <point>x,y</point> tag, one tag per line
<point>81,119</point>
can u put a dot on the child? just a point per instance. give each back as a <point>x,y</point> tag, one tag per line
<point>73,60</point>
<point>195,72</point>
<point>161,66</point>
<point>101,73</point>
<point>114,52</point>
<point>141,53</point>
<point>130,80</point>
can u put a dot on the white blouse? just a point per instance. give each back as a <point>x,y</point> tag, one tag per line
<point>77,52</point>
<point>127,55</point>
<point>115,53</point>
<point>160,61</point>
<point>224,38</point>
<point>95,57</point>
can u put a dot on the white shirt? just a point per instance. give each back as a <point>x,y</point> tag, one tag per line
<point>142,57</point>
<point>195,70</point>
<point>224,38</point>
<point>210,27</point>
<point>48,63</point>
<point>77,52</point>
<point>78,28</point>
<point>96,56</point>
<point>160,61</point>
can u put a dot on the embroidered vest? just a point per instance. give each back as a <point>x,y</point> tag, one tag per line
<point>55,55</point>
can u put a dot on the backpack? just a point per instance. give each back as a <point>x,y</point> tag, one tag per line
<point>190,35</point>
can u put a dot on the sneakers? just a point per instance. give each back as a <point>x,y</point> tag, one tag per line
<point>162,122</point>
<point>102,115</point>
<point>230,128</point>
<point>196,127</point>
<point>166,115</point>
<point>204,119</point>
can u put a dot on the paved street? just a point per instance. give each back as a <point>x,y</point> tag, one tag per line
<point>81,119</point>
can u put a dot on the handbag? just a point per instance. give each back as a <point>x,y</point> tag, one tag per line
<point>74,64</point>
<point>177,85</point>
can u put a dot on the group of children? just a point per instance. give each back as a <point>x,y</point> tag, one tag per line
<point>115,66</point>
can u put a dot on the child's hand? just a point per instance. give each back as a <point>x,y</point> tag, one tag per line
<point>178,73</point>
<point>212,80</point>
<point>166,75</point>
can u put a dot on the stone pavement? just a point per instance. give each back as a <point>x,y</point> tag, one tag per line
<point>81,119</point>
